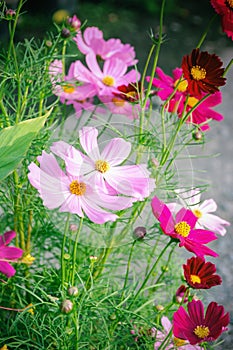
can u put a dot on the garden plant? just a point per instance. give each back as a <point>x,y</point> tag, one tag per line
<point>105,233</point>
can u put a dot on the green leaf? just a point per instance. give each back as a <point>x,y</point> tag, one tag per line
<point>15,141</point>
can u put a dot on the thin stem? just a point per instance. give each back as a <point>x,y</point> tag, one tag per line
<point>128,267</point>
<point>206,31</point>
<point>63,251</point>
<point>75,250</point>
<point>168,261</point>
<point>166,341</point>
<point>151,271</point>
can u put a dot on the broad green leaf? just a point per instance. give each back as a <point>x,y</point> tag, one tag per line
<point>15,141</point>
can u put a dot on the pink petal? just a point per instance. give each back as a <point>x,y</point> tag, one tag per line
<point>214,223</point>
<point>114,67</point>
<point>7,237</point>
<point>95,213</point>
<point>163,214</point>
<point>208,206</point>
<point>116,151</point>
<point>88,140</point>
<point>10,253</point>
<point>7,269</point>
<point>187,216</point>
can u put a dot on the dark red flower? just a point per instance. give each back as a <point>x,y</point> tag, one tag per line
<point>197,328</point>
<point>200,274</point>
<point>225,9</point>
<point>203,72</point>
<point>181,294</point>
<point>129,92</point>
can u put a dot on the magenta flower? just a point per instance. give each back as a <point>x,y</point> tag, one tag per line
<point>197,328</point>
<point>225,9</point>
<point>105,80</point>
<point>74,194</point>
<point>118,105</point>
<point>92,42</point>
<point>8,254</point>
<point>175,342</point>
<point>182,228</point>
<point>203,210</point>
<point>181,103</point>
<point>104,168</point>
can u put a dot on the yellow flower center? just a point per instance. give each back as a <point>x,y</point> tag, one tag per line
<point>230,3</point>
<point>195,279</point>
<point>68,88</point>
<point>102,166</point>
<point>78,188</point>
<point>109,81</point>
<point>182,229</point>
<point>192,101</point>
<point>181,85</point>
<point>118,102</point>
<point>197,213</point>
<point>131,94</point>
<point>198,73</point>
<point>178,342</point>
<point>202,331</point>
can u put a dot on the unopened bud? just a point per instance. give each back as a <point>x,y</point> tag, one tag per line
<point>66,306</point>
<point>159,307</point>
<point>197,135</point>
<point>139,232</point>
<point>65,33</point>
<point>48,43</point>
<point>73,291</point>
<point>10,14</point>
<point>73,227</point>
<point>74,22</point>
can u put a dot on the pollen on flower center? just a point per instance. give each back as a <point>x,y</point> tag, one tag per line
<point>195,279</point>
<point>78,188</point>
<point>178,342</point>
<point>202,331</point>
<point>181,85</point>
<point>182,229</point>
<point>68,88</point>
<point>198,73</point>
<point>192,101</point>
<point>118,102</point>
<point>197,213</point>
<point>230,3</point>
<point>109,81</point>
<point>102,166</point>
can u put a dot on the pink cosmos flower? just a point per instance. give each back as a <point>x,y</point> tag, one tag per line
<point>105,80</point>
<point>182,228</point>
<point>8,254</point>
<point>202,210</point>
<point>181,99</point>
<point>104,168</point>
<point>92,41</point>
<point>197,328</point>
<point>120,106</point>
<point>74,194</point>
<point>68,88</point>
<point>175,342</point>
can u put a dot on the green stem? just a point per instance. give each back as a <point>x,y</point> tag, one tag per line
<point>75,251</point>
<point>128,267</point>
<point>63,272</point>
<point>228,67</point>
<point>206,31</point>
<point>18,215</point>
<point>166,341</point>
<point>151,271</point>
<point>168,261</point>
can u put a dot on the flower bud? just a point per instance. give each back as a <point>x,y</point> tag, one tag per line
<point>73,227</point>
<point>159,307</point>
<point>139,232</point>
<point>66,306</point>
<point>74,23</point>
<point>10,14</point>
<point>65,33</point>
<point>197,135</point>
<point>73,291</point>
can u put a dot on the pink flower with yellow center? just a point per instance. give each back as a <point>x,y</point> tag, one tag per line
<point>104,168</point>
<point>73,194</point>
<point>196,327</point>
<point>8,254</point>
<point>182,228</point>
<point>203,210</point>
<point>106,80</point>
<point>92,42</point>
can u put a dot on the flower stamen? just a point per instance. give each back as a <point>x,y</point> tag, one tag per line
<point>197,213</point>
<point>181,85</point>
<point>108,80</point>
<point>118,102</point>
<point>68,88</point>
<point>102,166</point>
<point>182,229</point>
<point>195,279</point>
<point>201,331</point>
<point>78,188</point>
<point>198,73</point>
<point>230,3</point>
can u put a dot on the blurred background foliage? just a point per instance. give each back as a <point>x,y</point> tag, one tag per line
<point>131,21</point>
